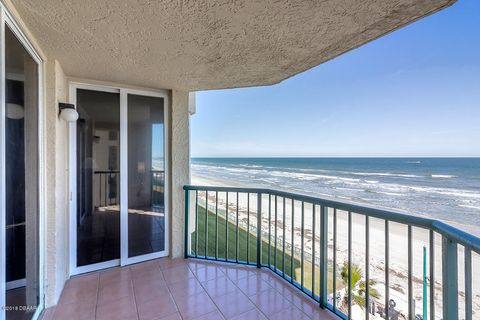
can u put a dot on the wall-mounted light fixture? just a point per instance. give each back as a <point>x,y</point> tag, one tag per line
<point>67,112</point>
<point>15,111</point>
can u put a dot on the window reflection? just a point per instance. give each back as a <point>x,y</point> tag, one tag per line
<point>146,175</point>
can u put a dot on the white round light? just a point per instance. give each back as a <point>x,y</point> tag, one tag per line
<point>15,111</point>
<point>69,115</point>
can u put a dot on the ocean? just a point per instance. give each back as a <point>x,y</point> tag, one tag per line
<point>447,189</point>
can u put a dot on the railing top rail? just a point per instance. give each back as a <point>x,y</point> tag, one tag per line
<point>459,236</point>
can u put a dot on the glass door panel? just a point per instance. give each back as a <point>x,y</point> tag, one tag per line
<point>98,177</point>
<point>146,175</point>
<point>21,180</point>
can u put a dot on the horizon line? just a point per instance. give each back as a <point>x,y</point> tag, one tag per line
<point>405,157</point>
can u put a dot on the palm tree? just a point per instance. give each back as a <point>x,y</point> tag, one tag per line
<point>357,285</point>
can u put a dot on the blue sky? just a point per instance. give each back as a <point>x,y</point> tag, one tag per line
<point>157,140</point>
<point>414,92</point>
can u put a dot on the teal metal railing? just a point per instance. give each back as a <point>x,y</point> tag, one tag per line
<point>330,251</point>
<point>158,188</point>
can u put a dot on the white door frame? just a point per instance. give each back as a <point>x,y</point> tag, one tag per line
<point>124,259</point>
<point>7,19</point>
<point>72,175</point>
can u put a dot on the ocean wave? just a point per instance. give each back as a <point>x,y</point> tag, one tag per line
<point>469,206</point>
<point>443,176</point>
<point>347,189</point>
<point>447,191</point>
<point>413,162</point>
<point>391,193</point>
<point>311,176</point>
<point>386,174</point>
<point>250,166</point>
<point>291,178</point>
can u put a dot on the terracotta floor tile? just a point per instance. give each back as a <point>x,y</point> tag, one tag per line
<point>195,306</point>
<point>268,275</point>
<point>253,314</point>
<point>114,275</point>
<point>170,289</point>
<point>219,286</point>
<point>114,291</point>
<point>147,272</point>
<point>194,263</point>
<point>120,309</point>
<point>177,273</point>
<point>149,278</point>
<point>288,314</point>
<point>145,266</point>
<point>305,304</point>
<point>252,285</point>
<point>206,273</point>
<point>233,304</point>
<point>150,291</point>
<point>167,263</point>
<point>175,316</point>
<point>237,273</point>
<point>215,315</point>
<point>75,311</point>
<point>288,291</point>
<point>87,291</point>
<point>83,280</point>
<point>187,287</point>
<point>156,308</point>
<point>270,302</point>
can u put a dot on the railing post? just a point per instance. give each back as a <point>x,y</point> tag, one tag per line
<point>187,208</point>
<point>468,284</point>
<point>450,279</point>
<point>323,256</point>
<point>259,230</point>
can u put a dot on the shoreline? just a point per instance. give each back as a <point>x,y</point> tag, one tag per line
<point>200,180</point>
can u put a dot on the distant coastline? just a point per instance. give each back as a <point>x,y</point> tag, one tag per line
<point>447,189</point>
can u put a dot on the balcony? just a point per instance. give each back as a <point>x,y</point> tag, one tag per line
<point>292,259</point>
<point>183,289</point>
<point>357,262</point>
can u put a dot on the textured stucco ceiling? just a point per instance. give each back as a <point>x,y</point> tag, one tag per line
<point>207,44</point>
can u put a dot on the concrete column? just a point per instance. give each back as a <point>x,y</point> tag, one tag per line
<point>180,169</point>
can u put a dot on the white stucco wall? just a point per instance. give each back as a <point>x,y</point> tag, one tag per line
<point>56,192</point>
<point>180,168</point>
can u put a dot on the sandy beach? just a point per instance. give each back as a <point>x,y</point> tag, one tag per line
<point>398,250</point>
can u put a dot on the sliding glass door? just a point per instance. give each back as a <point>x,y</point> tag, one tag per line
<point>146,176</point>
<point>119,205</point>
<point>20,179</point>
<point>98,178</point>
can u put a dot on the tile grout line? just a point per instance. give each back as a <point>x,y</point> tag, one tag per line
<point>240,290</point>
<point>133,291</point>
<point>211,298</point>
<point>248,297</point>
<point>98,293</point>
<point>169,292</point>
<point>295,293</point>
<point>277,291</point>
